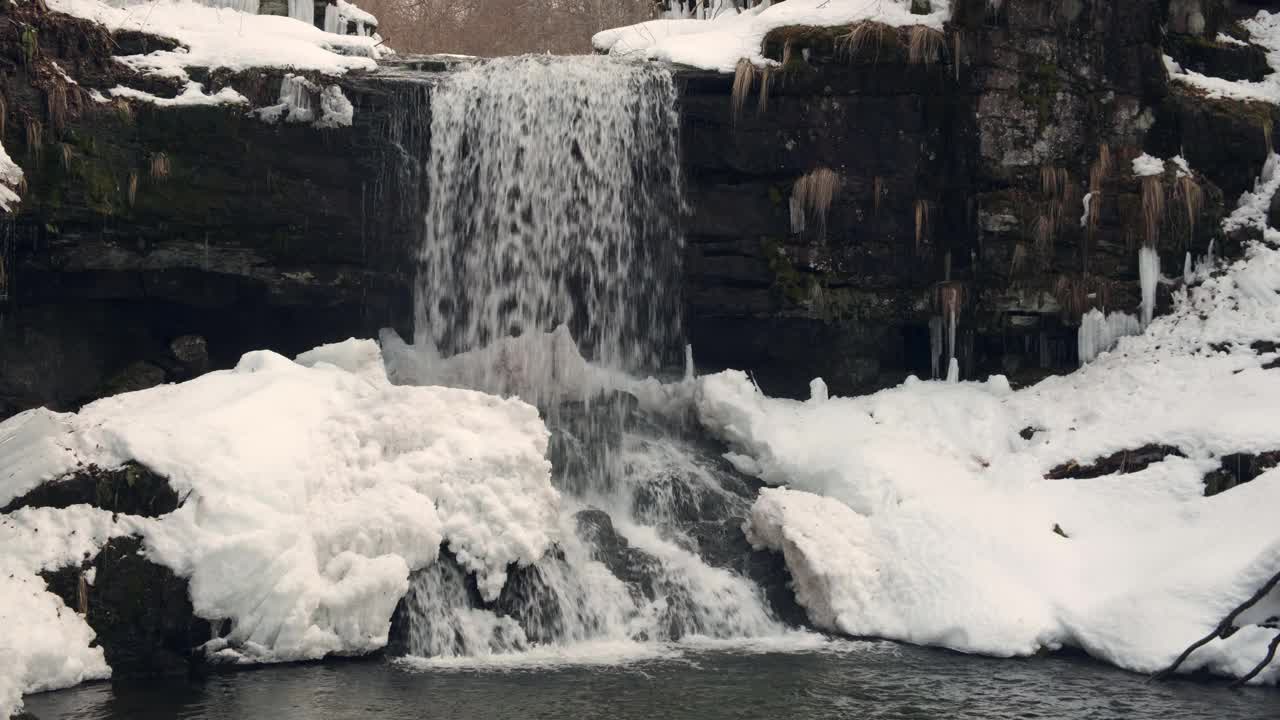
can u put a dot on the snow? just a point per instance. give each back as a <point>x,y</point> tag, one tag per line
<point>10,178</point>
<point>193,94</point>
<point>224,38</point>
<point>338,16</point>
<point>1264,31</point>
<point>282,465</point>
<point>720,42</point>
<point>1256,204</point>
<point>920,514</point>
<point>1145,165</point>
<point>298,99</point>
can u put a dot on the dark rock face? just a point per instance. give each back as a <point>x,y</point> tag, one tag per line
<point>140,611</point>
<point>132,489</point>
<point>961,178</point>
<point>141,226</point>
<point>1120,463</point>
<point>1239,468</point>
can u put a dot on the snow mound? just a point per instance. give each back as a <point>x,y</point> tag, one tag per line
<point>10,178</point>
<point>922,513</point>
<point>718,43</point>
<point>311,489</point>
<point>222,38</point>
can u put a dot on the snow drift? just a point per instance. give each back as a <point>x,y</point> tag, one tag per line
<point>310,491</point>
<point>922,513</point>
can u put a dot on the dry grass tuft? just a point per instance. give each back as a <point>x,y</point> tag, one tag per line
<point>1152,209</point>
<point>35,137</point>
<point>68,155</point>
<point>1187,191</point>
<point>1043,232</point>
<point>56,105</point>
<point>926,45</point>
<point>133,187</point>
<point>766,75</point>
<point>867,39</point>
<point>877,189</point>
<point>1018,262</point>
<point>743,79</point>
<point>814,193</point>
<point>160,166</point>
<point>923,209</point>
<point>1267,136</point>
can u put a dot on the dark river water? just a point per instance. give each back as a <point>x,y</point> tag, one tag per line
<point>848,680</point>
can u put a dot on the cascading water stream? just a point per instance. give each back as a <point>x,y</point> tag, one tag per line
<point>549,269</point>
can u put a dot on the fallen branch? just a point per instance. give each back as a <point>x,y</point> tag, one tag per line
<point>1226,629</point>
<point>1271,655</point>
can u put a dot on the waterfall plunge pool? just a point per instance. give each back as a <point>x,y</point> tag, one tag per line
<point>839,679</point>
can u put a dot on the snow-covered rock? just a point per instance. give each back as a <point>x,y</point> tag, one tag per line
<point>720,42</point>
<point>221,35</point>
<point>922,513</point>
<point>310,490</point>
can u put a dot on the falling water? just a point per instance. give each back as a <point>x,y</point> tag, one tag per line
<point>555,196</point>
<point>549,269</point>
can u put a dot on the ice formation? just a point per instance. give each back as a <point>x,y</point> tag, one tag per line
<point>719,42</point>
<point>1149,279</point>
<point>280,464</point>
<point>298,104</point>
<point>1264,31</point>
<point>1100,332</point>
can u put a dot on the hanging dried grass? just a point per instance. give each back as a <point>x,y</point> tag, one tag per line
<point>160,166</point>
<point>743,79</point>
<point>867,39</point>
<point>762,106</point>
<point>814,193</point>
<point>133,187</point>
<point>1152,209</point>
<point>926,45</point>
<point>923,208</point>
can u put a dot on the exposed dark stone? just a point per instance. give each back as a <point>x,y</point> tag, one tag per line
<point>398,637</point>
<point>1218,59</point>
<point>1264,347</point>
<point>192,354</point>
<point>1057,530</point>
<point>632,566</point>
<point>141,612</point>
<point>137,376</point>
<point>1122,463</point>
<point>1239,468</point>
<point>1028,432</point>
<point>132,489</point>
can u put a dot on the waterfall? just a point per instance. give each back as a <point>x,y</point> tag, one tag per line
<point>549,268</point>
<point>555,193</point>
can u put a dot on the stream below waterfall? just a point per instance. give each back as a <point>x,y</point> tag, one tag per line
<point>846,680</point>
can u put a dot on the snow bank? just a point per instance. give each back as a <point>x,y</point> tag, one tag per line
<point>718,43</point>
<point>1145,165</point>
<point>10,178</point>
<point>1264,30</point>
<point>311,490</point>
<point>217,37</point>
<point>921,514</point>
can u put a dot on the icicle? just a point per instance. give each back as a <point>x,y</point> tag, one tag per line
<point>1099,333</point>
<point>935,344</point>
<point>689,371</point>
<point>1187,273</point>
<point>1084,219</point>
<point>797,215</point>
<point>304,10</point>
<point>818,390</point>
<point>953,371</point>
<point>333,20</point>
<point>1149,277</point>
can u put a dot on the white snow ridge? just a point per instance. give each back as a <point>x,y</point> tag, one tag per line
<point>282,466</point>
